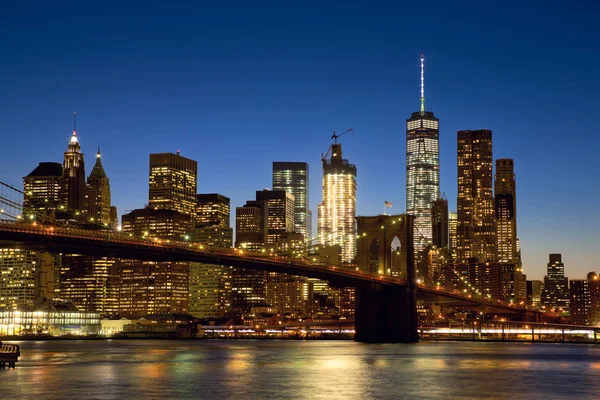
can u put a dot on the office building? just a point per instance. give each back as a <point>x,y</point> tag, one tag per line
<point>212,226</point>
<point>476,232</point>
<point>154,287</point>
<point>594,289</point>
<point>506,212</point>
<point>210,285</point>
<point>280,213</point>
<point>337,211</point>
<point>212,209</point>
<point>91,283</point>
<point>292,177</point>
<point>18,278</point>
<point>422,169</point>
<point>98,195</point>
<point>439,224</point>
<point>555,295</point>
<point>173,183</point>
<point>580,302</point>
<point>42,192</point>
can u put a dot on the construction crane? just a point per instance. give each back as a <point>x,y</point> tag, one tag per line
<point>335,137</point>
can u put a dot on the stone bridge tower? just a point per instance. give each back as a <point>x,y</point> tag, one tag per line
<point>381,245</point>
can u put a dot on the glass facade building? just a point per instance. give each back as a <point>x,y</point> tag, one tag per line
<point>293,178</point>
<point>506,212</point>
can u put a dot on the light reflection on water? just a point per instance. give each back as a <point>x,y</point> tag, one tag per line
<point>296,369</point>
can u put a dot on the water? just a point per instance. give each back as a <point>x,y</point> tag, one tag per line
<point>119,369</point>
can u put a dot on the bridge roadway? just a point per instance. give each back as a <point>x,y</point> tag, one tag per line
<point>61,239</point>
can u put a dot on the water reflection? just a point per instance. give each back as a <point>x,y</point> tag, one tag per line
<point>292,369</point>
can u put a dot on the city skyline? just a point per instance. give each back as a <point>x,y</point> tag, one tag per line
<point>551,219</point>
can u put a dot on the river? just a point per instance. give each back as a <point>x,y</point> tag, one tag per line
<point>247,369</point>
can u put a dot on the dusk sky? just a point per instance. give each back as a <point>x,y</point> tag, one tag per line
<point>236,86</point>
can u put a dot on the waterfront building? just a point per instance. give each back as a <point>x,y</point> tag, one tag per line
<point>506,212</point>
<point>422,169</point>
<point>73,181</point>
<point>476,232</point>
<point>292,177</point>
<point>56,320</point>
<point>173,183</point>
<point>337,211</point>
<point>556,286</point>
<point>439,224</point>
<point>98,195</point>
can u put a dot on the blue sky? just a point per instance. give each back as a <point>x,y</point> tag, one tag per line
<point>236,86</point>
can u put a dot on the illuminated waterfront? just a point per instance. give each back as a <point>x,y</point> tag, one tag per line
<point>301,369</point>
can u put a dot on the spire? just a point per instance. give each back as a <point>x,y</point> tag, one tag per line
<point>74,136</point>
<point>98,155</point>
<point>422,83</point>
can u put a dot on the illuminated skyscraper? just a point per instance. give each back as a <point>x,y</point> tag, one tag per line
<point>212,221</point>
<point>18,275</point>
<point>74,179</point>
<point>98,195</point>
<point>337,212</point>
<point>422,169</point>
<point>293,178</point>
<point>280,213</point>
<point>506,212</point>
<point>476,231</point>
<point>555,295</point>
<point>173,183</point>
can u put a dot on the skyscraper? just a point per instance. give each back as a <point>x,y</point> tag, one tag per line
<point>212,226</point>
<point>337,212</point>
<point>280,213</point>
<point>422,168</point>
<point>506,212</point>
<point>555,295</point>
<point>439,220</point>
<point>476,232</point>
<point>74,179</point>
<point>43,191</point>
<point>98,194</point>
<point>210,285</point>
<point>173,183</point>
<point>293,178</point>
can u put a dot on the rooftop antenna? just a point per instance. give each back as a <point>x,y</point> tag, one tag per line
<point>74,123</point>
<point>422,83</point>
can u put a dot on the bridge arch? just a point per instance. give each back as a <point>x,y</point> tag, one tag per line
<point>381,244</point>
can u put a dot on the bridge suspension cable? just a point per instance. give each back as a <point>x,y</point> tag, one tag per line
<point>11,201</point>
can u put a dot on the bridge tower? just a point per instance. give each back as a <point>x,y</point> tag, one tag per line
<point>387,313</point>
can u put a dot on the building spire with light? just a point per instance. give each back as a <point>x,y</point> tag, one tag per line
<point>422,83</point>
